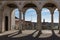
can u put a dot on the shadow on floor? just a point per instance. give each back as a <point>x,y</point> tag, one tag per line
<point>29,37</point>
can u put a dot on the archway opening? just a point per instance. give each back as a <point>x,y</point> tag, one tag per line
<point>50,6</point>
<point>15,19</point>
<point>30,5</point>
<point>6,23</point>
<point>56,19</point>
<point>30,19</point>
<point>46,19</point>
<point>9,17</point>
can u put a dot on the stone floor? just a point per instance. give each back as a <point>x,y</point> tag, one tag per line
<point>30,35</point>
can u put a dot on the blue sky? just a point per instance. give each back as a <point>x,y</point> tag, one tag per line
<point>31,15</point>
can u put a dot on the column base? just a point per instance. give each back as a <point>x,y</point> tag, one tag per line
<point>20,32</point>
<point>59,32</point>
<point>53,31</point>
<point>40,31</point>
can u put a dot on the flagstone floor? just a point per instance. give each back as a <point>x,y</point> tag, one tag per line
<point>30,35</point>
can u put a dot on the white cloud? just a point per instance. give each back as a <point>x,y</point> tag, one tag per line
<point>56,9</point>
<point>46,10</point>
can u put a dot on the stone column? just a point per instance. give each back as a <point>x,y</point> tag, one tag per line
<point>20,22</point>
<point>24,16</point>
<point>32,26</point>
<point>39,20</point>
<point>52,24</point>
<point>23,21</point>
<point>59,22</point>
<point>1,20</point>
<point>52,13</point>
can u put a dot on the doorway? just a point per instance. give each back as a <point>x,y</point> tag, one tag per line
<point>6,23</point>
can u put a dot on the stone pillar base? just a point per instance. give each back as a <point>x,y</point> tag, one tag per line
<point>59,32</point>
<point>40,31</point>
<point>20,32</point>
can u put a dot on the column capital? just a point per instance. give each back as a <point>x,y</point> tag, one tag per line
<point>52,10</point>
<point>20,10</point>
<point>38,12</point>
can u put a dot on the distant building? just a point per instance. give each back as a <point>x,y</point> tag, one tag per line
<point>28,25</point>
<point>47,25</point>
<point>44,25</point>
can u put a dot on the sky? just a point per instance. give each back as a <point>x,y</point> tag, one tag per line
<point>31,15</point>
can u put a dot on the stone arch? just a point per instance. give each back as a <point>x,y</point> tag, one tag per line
<point>32,9</point>
<point>29,8</point>
<point>26,6</point>
<point>51,3</point>
<point>7,3</point>
<point>29,3</point>
<point>6,6</point>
